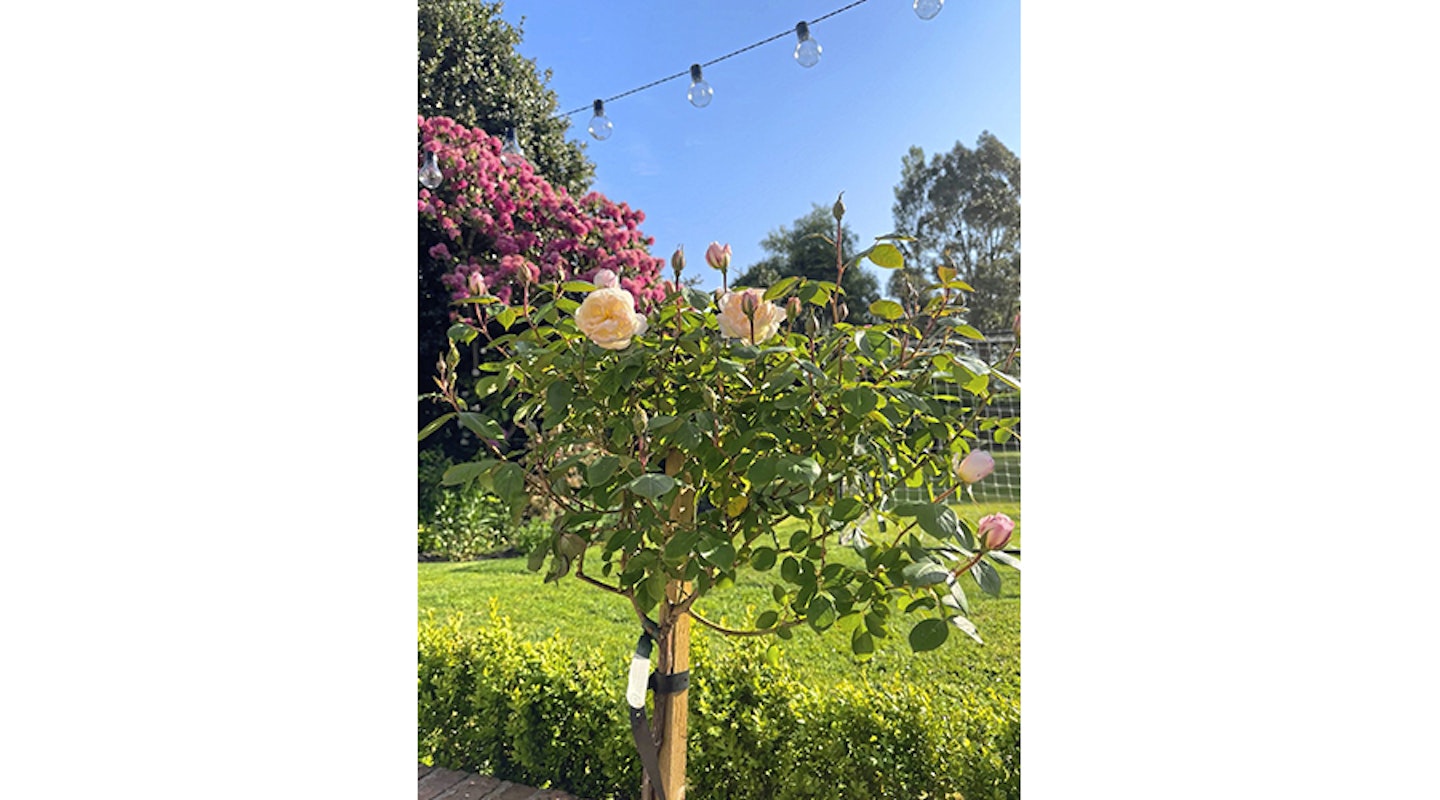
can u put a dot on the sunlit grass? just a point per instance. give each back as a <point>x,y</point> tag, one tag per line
<point>596,618</point>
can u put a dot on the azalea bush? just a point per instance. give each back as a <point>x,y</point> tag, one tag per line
<point>492,224</point>
<point>676,433</point>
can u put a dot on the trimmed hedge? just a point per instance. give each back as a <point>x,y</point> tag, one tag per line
<point>551,714</point>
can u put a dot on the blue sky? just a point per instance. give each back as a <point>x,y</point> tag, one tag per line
<point>777,137</point>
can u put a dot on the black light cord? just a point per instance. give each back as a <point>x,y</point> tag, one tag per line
<point>731,54</point>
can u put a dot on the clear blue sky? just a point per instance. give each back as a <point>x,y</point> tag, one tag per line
<point>777,137</point>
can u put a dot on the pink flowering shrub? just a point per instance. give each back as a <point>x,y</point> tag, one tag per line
<point>509,226</point>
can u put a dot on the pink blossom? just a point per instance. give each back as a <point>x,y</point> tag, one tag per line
<point>994,531</point>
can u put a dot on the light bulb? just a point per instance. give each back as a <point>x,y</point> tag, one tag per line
<point>927,9</point>
<point>511,154</point>
<point>700,91</point>
<point>807,52</point>
<point>600,125</point>
<point>430,176</point>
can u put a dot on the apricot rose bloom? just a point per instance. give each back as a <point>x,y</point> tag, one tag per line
<point>749,317</point>
<point>608,317</point>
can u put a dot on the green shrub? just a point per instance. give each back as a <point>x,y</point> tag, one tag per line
<point>551,711</point>
<point>460,523</point>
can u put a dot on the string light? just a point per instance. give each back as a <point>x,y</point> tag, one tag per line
<point>927,9</point>
<point>700,91</point>
<point>652,84</point>
<point>600,125</point>
<point>430,175</point>
<point>807,50</point>
<point>511,154</point>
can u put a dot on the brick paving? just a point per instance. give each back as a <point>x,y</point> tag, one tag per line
<point>438,783</point>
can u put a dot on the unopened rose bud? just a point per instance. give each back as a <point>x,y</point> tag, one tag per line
<point>842,312</point>
<point>605,279</point>
<point>677,261</point>
<point>718,256</point>
<point>975,466</point>
<point>1017,324</point>
<point>839,208</point>
<point>792,308</point>
<point>476,284</point>
<point>748,303</point>
<point>994,531</point>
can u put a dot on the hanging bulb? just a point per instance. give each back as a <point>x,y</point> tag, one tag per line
<point>700,91</point>
<point>511,154</point>
<point>600,125</point>
<point>430,176</point>
<point>807,52</point>
<point>927,9</point>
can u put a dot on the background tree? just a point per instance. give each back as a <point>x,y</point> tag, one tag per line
<point>469,71</point>
<point>806,249</point>
<point>963,210</point>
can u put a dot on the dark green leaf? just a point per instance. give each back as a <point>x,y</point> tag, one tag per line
<point>821,613</point>
<point>987,577</point>
<point>938,520</point>
<point>763,558</point>
<point>767,619</point>
<point>847,509</point>
<point>652,485</point>
<point>925,573</point>
<point>510,483</point>
<point>464,473</point>
<point>928,634</point>
<point>483,426</point>
<point>600,471</point>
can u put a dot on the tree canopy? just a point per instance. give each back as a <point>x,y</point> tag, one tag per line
<point>806,249</point>
<point>470,72</point>
<point>963,210</point>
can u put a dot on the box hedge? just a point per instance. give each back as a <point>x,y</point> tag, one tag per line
<point>552,714</point>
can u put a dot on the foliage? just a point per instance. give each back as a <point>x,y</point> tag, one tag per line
<point>470,72</point>
<point>962,209</point>
<point>550,711</point>
<point>458,523</point>
<point>501,226</point>
<point>807,249</point>
<point>677,456</point>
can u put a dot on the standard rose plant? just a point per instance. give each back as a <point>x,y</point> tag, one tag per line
<point>700,440</point>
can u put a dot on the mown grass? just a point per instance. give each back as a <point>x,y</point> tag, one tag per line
<point>586,614</point>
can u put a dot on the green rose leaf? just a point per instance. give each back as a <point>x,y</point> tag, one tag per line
<point>509,481</point>
<point>928,634</point>
<point>435,425</point>
<point>888,310</point>
<point>601,470</point>
<point>925,573</point>
<point>651,485</point>
<point>847,509</point>
<point>466,472</point>
<point>767,619</point>
<point>887,255</point>
<point>481,425</point>
<point>938,520</point>
<point>762,559</point>
<point>968,627</point>
<point>987,577</point>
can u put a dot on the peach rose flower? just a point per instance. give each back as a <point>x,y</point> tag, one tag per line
<point>608,317</point>
<point>749,317</point>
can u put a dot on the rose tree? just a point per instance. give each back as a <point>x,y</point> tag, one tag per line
<point>734,432</point>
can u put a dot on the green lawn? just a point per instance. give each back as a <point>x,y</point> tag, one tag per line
<point>577,611</point>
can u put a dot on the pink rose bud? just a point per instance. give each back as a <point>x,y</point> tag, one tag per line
<point>476,284</point>
<point>606,279</point>
<point>677,260</point>
<point>748,303</point>
<point>718,257</point>
<point>792,308</point>
<point>976,466</point>
<point>994,531</point>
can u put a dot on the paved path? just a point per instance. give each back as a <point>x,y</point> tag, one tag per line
<point>437,783</point>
